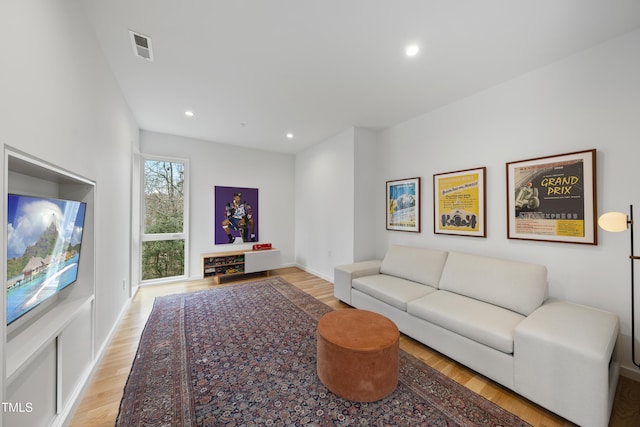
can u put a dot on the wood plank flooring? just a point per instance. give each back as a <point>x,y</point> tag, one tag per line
<point>101,399</point>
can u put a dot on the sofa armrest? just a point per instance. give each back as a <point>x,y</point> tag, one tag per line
<point>564,360</point>
<point>344,274</point>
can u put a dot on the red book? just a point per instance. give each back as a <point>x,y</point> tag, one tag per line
<point>261,246</point>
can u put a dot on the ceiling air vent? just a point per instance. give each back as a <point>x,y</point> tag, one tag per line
<point>141,45</point>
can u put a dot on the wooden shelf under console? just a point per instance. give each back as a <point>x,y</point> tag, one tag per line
<point>228,264</point>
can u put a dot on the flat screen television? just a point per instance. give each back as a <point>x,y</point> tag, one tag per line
<point>44,237</point>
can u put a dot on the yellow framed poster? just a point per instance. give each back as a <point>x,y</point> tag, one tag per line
<point>459,203</point>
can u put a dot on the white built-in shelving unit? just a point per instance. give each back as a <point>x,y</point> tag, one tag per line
<point>48,353</point>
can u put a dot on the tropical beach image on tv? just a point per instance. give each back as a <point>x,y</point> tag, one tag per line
<point>44,237</point>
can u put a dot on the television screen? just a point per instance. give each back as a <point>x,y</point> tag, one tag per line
<point>44,237</point>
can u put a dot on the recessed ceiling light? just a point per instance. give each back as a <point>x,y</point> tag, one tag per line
<point>290,135</point>
<point>188,113</point>
<point>412,50</point>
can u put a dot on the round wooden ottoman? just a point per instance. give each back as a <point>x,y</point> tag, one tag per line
<point>358,354</point>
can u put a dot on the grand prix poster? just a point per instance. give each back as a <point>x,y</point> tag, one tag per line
<point>553,198</point>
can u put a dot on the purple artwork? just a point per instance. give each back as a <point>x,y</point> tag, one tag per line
<point>236,215</point>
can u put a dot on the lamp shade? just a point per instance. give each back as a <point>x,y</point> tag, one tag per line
<point>613,221</point>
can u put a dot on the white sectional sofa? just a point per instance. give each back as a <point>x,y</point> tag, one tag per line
<point>494,316</point>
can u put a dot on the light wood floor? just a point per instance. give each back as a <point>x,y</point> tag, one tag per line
<point>100,402</point>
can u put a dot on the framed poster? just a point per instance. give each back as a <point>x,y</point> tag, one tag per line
<point>553,198</point>
<point>236,215</point>
<point>403,205</point>
<point>459,203</point>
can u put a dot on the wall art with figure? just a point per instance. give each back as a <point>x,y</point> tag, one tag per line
<point>403,205</point>
<point>553,198</point>
<point>236,215</point>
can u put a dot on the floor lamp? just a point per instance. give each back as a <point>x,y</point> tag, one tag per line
<point>618,221</point>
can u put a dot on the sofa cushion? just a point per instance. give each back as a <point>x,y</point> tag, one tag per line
<point>485,323</point>
<point>416,264</point>
<point>514,285</point>
<point>391,290</point>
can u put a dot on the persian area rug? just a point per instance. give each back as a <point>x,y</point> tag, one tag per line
<point>245,355</point>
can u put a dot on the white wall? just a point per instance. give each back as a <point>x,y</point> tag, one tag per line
<point>61,104</point>
<point>212,164</point>
<point>365,195</point>
<point>324,201</point>
<point>589,100</point>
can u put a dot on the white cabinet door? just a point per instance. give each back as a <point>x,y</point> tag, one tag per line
<point>255,261</point>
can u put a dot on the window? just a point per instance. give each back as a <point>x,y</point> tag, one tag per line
<point>164,219</point>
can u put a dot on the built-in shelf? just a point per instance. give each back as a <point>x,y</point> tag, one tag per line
<point>47,352</point>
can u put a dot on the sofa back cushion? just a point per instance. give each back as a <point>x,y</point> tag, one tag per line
<point>416,264</point>
<point>516,286</point>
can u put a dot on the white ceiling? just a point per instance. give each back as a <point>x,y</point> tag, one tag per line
<point>253,70</point>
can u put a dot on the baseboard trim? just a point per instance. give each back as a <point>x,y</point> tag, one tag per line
<point>315,273</point>
<point>632,374</point>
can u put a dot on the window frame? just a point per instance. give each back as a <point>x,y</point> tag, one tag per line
<point>155,237</point>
